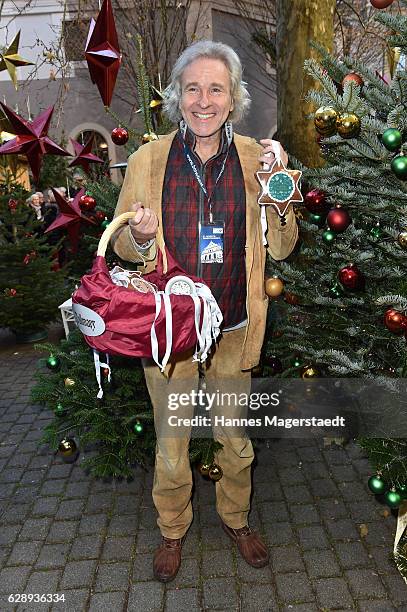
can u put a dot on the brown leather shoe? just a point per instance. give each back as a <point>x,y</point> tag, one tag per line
<point>167,559</point>
<point>250,545</point>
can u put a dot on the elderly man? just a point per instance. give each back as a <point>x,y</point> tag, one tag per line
<point>203,174</point>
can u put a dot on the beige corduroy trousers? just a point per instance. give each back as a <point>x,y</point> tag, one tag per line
<point>172,484</point>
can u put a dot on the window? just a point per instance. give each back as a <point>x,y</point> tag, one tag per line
<point>74,35</point>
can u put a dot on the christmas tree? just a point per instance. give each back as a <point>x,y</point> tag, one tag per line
<point>344,310</point>
<point>31,283</point>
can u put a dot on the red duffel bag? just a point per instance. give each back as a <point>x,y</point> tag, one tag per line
<point>122,312</point>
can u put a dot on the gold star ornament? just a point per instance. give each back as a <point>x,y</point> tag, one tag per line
<point>279,186</point>
<point>10,60</point>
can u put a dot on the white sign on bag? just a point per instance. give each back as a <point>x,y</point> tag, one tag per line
<point>88,321</point>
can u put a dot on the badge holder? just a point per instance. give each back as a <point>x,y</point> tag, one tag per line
<point>211,241</point>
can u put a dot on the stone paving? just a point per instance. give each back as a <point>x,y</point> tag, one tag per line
<point>64,532</point>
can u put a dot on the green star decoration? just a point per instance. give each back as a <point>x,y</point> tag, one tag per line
<point>279,186</point>
<point>10,60</point>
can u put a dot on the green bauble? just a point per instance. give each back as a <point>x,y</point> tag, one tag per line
<point>138,427</point>
<point>376,485</point>
<point>105,223</point>
<point>336,291</point>
<point>60,411</point>
<point>391,139</point>
<point>376,231</point>
<point>328,236</point>
<point>296,362</point>
<point>317,219</point>
<point>393,499</point>
<point>53,363</point>
<point>399,166</point>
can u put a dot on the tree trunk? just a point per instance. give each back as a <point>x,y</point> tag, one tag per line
<point>298,22</point>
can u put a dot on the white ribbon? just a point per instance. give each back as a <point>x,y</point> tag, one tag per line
<point>98,365</point>
<point>266,167</point>
<point>154,342</point>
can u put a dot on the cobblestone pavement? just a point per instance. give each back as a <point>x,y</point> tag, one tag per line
<point>64,532</point>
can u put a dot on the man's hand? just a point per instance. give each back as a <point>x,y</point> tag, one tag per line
<point>145,223</point>
<point>268,154</point>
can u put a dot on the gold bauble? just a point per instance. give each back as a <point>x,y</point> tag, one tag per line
<point>204,468</point>
<point>67,447</point>
<point>155,104</point>
<point>69,382</point>
<point>402,239</point>
<point>215,472</point>
<point>348,125</point>
<point>325,120</point>
<point>310,372</point>
<point>149,137</point>
<point>274,287</point>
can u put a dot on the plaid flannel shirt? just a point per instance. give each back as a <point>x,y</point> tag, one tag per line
<point>184,205</point>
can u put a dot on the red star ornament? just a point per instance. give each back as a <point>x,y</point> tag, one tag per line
<point>31,138</point>
<point>84,155</point>
<point>279,186</point>
<point>10,60</point>
<point>70,217</point>
<point>102,52</point>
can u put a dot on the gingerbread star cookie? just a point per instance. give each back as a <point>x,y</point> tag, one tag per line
<point>279,186</point>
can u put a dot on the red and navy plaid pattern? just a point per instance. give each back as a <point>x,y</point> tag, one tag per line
<point>180,208</point>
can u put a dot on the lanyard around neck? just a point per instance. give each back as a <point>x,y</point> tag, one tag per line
<point>188,156</point>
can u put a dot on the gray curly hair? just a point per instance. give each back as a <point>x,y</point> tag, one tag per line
<point>213,50</point>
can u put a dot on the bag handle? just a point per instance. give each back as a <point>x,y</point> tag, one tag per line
<point>114,225</point>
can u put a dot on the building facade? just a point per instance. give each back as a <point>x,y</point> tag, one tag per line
<point>53,36</point>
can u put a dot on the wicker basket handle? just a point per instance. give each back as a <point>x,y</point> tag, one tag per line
<point>110,230</point>
<point>114,225</point>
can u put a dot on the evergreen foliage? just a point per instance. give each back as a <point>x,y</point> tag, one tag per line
<point>30,287</point>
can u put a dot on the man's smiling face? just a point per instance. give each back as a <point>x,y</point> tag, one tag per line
<point>206,97</point>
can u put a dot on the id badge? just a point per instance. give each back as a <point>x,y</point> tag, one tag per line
<point>211,242</point>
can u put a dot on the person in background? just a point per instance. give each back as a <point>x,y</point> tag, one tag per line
<point>79,181</point>
<point>35,203</point>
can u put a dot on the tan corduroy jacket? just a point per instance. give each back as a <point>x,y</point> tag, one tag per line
<point>144,183</point>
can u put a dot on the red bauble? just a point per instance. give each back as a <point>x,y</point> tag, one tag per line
<point>351,277</point>
<point>12,204</point>
<point>120,136</point>
<point>381,4</point>
<point>352,77</point>
<point>100,216</point>
<point>86,202</point>
<point>29,257</point>
<point>395,321</point>
<point>315,201</point>
<point>338,219</point>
